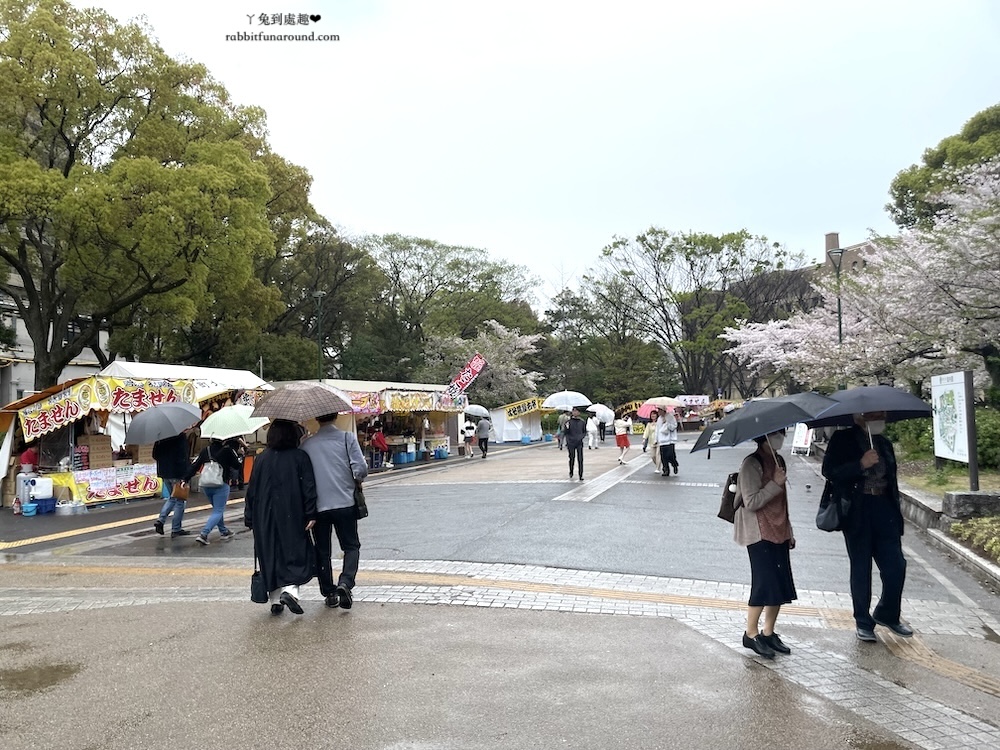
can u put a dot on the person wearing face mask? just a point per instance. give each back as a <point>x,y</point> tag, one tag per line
<point>762,526</point>
<point>862,462</point>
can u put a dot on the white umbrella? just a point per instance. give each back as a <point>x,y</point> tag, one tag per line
<point>566,400</point>
<point>477,410</point>
<point>603,413</point>
<point>665,401</point>
<point>231,421</point>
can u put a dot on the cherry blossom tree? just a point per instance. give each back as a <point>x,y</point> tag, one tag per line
<point>925,303</point>
<point>503,380</point>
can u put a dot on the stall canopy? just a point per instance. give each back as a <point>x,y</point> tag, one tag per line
<point>208,381</point>
<point>377,396</point>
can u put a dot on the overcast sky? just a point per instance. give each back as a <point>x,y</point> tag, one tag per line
<point>540,129</point>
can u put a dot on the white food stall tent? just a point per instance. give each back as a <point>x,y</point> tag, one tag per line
<point>513,422</point>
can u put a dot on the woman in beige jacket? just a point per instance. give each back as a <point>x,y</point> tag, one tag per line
<point>763,527</point>
<point>649,440</point>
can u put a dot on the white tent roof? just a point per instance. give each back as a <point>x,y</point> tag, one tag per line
<point>376,386</point>
<point>208,381</point>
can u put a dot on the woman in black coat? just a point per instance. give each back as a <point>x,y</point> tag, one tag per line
<point>280,508</point>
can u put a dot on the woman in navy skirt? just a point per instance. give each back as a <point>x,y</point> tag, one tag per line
<point>763,527</point>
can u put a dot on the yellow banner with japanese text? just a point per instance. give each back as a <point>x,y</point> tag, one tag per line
<point>515,410</point>
<point>98,393</point>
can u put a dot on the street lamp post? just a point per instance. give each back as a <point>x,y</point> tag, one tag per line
<point>836,257</point>
<point>318,296</point>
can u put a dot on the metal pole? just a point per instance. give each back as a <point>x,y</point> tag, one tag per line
<point>840,316</point>
<point>970,421</point>
<point>318,296</point>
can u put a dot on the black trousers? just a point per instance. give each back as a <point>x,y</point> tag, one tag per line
<point>668,457</point>
<point>874,533</point>
<point>344,522</point>
<point>575,456</point>
<point>484,445</point>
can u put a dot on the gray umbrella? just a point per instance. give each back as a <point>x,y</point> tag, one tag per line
<point>161,421</point>
<point>303,400</point>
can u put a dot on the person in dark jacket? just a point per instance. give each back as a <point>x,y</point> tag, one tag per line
<point>576,431</point>
<point>863,463</point>
<point>217,494</point>
<point>172,461</point>
<point>280,509</point>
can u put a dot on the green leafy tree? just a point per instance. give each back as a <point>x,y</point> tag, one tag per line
<point>124,178</point>
<point>915,190</point>
<point>692,285</point>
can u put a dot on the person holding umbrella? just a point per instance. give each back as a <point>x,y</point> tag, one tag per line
<point>862,462</point>
<point>762,526</point>
<point>649,440</point>
<point>280,510</point>
<point>666,438</point>
<point>576,431</point>
<point>339,467</point>
<point>172,460</point>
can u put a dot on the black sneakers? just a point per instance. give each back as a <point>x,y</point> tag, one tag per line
<point>332,601</point>
<point>179,532</point>
<point>158,525</point>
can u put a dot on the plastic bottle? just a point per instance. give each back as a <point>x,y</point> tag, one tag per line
<point>16,507</point>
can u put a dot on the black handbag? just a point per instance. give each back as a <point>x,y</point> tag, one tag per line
<point>834,507</point>
<point>360,506</point>
<point>258,589</point>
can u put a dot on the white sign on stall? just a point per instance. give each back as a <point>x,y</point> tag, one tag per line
<point>951,434</point>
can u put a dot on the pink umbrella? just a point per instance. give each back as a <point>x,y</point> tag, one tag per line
<point>660,403</point>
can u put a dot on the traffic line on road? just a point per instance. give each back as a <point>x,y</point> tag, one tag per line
<point>69,533</point>
<point>596,487</point>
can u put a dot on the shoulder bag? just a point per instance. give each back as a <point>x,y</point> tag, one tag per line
<point>834,507</point>
<point>211,472</point>
<point>360,506</point>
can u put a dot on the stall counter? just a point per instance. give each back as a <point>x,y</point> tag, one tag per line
<point>107,485</point>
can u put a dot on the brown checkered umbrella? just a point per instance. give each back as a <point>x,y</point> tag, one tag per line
<point>303,400</point>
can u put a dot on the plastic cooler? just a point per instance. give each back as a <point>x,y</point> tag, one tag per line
<point>40,487</point>
<point>45,505</point>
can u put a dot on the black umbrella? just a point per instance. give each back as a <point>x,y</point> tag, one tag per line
<point>756,418</point>
<point>897,405</point>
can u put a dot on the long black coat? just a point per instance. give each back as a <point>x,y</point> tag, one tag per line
<point>280,500</point>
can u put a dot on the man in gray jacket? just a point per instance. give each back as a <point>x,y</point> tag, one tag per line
<point>339,466</point>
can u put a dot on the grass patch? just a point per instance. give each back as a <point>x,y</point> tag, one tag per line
<point>922,474</point>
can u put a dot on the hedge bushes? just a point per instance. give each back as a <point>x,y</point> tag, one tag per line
<point>916,437</point>
<point>981,534</point>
